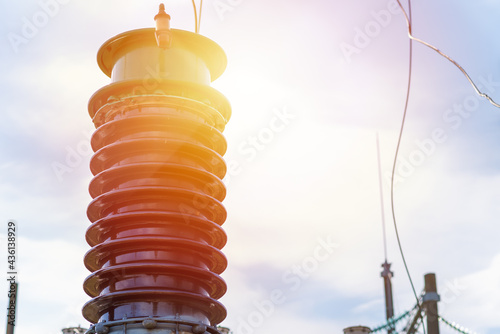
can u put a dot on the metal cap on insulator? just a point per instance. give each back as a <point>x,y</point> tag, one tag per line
<point>162,32</point>
<point>74,330</point>
<point>357,330</point>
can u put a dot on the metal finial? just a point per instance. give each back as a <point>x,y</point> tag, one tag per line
<point>162,13</point>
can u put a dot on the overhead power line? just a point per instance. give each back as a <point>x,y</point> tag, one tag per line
<point>456,326</point>
<point>396,157</point>
<point>410,35</point>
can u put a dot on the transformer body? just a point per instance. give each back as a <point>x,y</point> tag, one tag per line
<point>156,212</point>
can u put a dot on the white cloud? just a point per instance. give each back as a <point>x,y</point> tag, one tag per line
<point>316,178</point>
<point>50,276</point>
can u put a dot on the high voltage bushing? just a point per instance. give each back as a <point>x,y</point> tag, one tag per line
<point>156,211</point>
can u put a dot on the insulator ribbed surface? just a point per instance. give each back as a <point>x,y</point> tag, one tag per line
<point>156,210</point>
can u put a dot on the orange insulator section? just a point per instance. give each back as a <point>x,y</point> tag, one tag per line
<point>156,211</point>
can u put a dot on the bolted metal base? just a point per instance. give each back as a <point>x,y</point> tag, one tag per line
<point>149,325</point>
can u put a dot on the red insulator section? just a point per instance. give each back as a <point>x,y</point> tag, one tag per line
<point>156,212</point>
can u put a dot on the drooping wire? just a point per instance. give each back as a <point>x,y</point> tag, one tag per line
<point>410,65</point>
<point>410,35</point>
<point>195,17</point>
<point>199,16</point>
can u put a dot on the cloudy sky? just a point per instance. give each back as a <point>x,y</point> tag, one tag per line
<point>310,83</point>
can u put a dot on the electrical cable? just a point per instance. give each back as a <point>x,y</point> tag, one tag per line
<point>195,17</point>
<point>455,326</point>
<point>410,35</point>
<point>391,322</point>
<point>397,152</point>
<point>199,16</point>
<point>408,19</point>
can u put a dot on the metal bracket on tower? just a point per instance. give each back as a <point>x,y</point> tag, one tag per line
<point>431,296</point>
